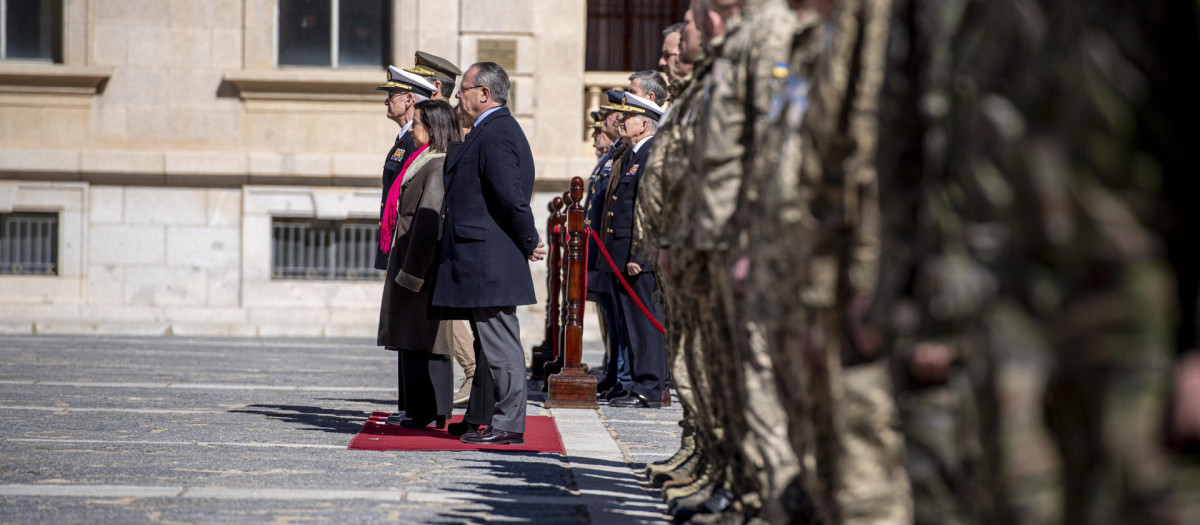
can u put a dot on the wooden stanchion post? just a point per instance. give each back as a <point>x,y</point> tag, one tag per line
<point>573,387</point>
<point>547,351</point>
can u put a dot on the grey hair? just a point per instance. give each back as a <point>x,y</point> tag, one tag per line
<point>652,82</point>
<point>493,77</point>
<point>447,85</point>
<point>417,97</point>
<point>653,123</point>
<point>674,28</point>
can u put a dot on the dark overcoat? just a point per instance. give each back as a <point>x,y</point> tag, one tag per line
<point>488,230</point>
<point>405,318</point>
<point>617,223</point>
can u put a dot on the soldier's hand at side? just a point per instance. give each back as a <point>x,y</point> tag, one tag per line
<point>930,363</point>
<point>1184,429</point>
<point>633,268</point>
<point>664,261</point>
<point>539,252</point>
<point>739,272</point>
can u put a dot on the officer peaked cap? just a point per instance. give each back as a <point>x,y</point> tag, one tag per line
<point>400,80</point>
<point>434,66</point>
<point>641,106</point>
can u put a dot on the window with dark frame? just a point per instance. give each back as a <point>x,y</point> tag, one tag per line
<point>29,243</point>
<point>334,33</point>
<point>31,30</point>
<point>312,249</point>
<point>626,35</point>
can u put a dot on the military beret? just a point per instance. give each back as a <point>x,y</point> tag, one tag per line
<point>400,80</point>
<point>434,66</point>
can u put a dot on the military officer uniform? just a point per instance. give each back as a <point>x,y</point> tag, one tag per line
<point>600,288</point>
<point>647,355</point>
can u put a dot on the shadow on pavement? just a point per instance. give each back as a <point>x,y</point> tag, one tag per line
<point>322,419</point>
<point>522,483</point>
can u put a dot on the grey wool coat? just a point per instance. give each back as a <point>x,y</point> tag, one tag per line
<point>405,317</point>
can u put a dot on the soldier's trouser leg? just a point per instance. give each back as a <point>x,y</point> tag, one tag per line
<point>726,345</point>
<point>1106,399</point>
<point>941,437</point>
<point>691,269</point>
<point>875,488</point>
<point>679,335</point>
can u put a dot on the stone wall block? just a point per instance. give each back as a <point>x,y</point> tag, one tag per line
<point>226,49</point>
<point>204,246</point>
<point>195,14</point>
<point>106,284</point>
<point>116,161</point>
<point>39,290</point>
<point>224,287</point>
<point>207,163</point>
<point>153,46</point>
<point>224,207</point>
<point>109,45</point>
<point>193,49</point>
<point>499,16</point>
<point>176,206</point>
<point>133,13</point>
<point>165,286</point>
<point>127,245</point>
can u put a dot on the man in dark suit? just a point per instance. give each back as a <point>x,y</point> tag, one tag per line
<point>647,352</point>
<point>488,238</point>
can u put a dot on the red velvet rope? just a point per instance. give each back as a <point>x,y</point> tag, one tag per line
<point>620,277</point>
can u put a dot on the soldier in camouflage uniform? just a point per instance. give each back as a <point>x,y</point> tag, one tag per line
<point>1029,253</point>
<point>664,173</point>
<point>737,91</point>
<point>809,209</point>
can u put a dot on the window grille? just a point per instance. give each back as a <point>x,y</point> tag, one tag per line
<point>626,35</point>
<point>29,244</point>
<point>334,33</point>
<point>313,249</point>
<point>31,30</point>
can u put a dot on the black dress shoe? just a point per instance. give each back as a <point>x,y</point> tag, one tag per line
<point>491,436</point>
<point>635,400</point>
<point>615,392</point>
<point>460,428</point>
<point>423,422</point>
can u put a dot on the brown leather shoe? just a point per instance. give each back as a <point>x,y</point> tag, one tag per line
<point>491,436</point>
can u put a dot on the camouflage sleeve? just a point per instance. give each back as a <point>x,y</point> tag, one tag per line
<point>740,88</point>
<point>648,204</point>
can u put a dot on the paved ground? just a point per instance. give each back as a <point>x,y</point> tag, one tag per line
<point>181,430</point>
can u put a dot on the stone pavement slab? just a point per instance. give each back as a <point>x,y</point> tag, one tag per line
<point>188,430</point>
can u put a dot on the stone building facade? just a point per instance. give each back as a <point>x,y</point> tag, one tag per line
<point>165,144</point>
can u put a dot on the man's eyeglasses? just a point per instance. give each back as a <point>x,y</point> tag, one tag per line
<point>462,90</point>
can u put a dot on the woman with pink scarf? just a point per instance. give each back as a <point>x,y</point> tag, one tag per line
<point>412,214</point>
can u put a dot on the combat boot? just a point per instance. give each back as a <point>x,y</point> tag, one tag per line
<point>687,447</point>
<point>701,481</point>
<point>685,470</point>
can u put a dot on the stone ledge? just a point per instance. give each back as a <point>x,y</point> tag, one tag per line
<point>316,85</point>
<point>42,79</point>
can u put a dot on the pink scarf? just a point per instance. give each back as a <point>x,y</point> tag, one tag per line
<point>390,212</point>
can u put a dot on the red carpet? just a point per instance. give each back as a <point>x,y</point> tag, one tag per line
<point>541,435</point>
